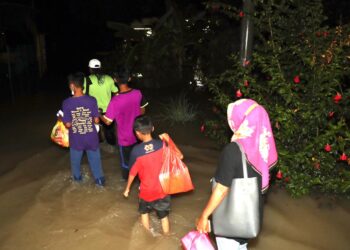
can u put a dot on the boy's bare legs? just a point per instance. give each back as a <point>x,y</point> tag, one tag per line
<point>145,220</point>
<point>165,225</point>
<point>164,222</point>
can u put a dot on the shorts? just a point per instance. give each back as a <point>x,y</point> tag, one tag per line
<point>161,206</point>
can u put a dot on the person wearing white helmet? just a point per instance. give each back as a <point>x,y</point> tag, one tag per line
<point>94,64</point>
<point>102,87</point>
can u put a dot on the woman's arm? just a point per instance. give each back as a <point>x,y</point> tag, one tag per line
<point>219,193</point>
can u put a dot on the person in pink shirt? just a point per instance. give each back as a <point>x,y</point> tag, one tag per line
<point>123,109</point>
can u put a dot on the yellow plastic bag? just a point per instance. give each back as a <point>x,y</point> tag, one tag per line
<point>59,134</point>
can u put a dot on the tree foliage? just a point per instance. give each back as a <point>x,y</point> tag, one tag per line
<point>186,39</point>
<point>300,74</point>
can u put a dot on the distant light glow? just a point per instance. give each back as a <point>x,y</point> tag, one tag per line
<point>198,77</point>
<point>142,28</point>
<point>147,29</point>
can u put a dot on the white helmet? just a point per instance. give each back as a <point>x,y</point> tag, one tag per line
<point>94,64</point>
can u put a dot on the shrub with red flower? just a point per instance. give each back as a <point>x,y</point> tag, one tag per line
<point>296,79</point>
<point>306,122</point>
<point>337,97</point>
<point>343,157</point>
<point>327,148</point>
<point>279,174</point>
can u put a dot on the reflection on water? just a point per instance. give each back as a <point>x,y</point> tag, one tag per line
<point>45,210</point>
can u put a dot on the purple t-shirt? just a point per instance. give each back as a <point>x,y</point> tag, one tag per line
<point>124,108</point>
<point>80,112</point>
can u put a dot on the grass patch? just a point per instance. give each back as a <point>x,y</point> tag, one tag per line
<point>178,110</point>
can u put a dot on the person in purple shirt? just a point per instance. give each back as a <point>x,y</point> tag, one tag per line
<point>80,114</point>
<point>124,108</point>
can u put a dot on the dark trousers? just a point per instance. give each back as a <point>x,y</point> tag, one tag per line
<point>107,133</point>
<point>94,158</point>
<point>124,152</point>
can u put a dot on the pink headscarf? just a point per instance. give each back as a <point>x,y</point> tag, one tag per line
<point>252,130</point>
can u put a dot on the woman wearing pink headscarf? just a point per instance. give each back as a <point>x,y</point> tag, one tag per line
<point>250,124</point>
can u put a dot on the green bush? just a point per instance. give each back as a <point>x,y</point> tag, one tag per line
<point>178,110</point>
<point>299,73</point>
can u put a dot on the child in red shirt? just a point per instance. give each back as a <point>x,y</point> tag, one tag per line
<point>146,162</point>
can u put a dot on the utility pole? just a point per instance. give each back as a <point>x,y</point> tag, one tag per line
<point>247,33</point>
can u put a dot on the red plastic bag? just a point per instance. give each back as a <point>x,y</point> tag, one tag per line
<point>59,134</point>
<point>174,175</point>
<point>195,240</point>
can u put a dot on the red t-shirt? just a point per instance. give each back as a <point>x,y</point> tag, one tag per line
<point>146,162</point>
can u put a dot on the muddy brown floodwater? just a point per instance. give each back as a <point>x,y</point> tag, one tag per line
<point>40,208</point>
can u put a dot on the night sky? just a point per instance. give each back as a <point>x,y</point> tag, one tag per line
<point>76,29</point>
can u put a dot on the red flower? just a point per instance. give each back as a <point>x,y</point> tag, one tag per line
<point>325,33</point>
<point>318,33</point>
<point>246,83</point>
<point>331,114</point>
<point>296,79</point>
<point>246,62</point>
<point>279,174</point>
<point>337,97</point>
<point>343,157</point>
<point>241,14</point>
<point>238,93</point>
<point>327,147</point>
<point>202,128</point>
<point>287,179</point>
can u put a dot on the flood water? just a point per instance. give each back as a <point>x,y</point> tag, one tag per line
<point>40,208</point>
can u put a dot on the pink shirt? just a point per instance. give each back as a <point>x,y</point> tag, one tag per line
<point>124,108</point>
